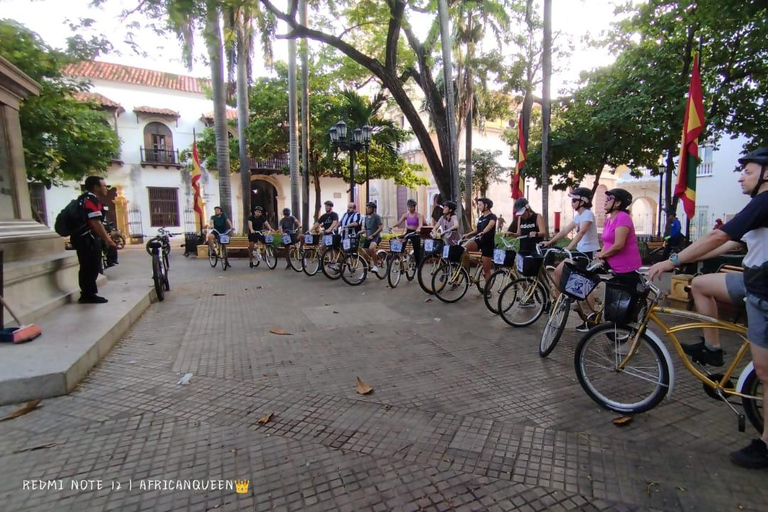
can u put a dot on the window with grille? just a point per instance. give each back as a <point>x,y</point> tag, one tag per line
<point>37,198</point>
<point>163,206</point>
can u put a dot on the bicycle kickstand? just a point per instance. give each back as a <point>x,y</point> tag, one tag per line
<point>742,420</point>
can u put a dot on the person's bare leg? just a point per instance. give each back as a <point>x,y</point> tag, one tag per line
<point>760,359</point>
<point>487,266</point>
<point>251,245</point>
<point>707,289</point>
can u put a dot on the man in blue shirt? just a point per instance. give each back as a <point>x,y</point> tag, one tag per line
<point>675,236</point>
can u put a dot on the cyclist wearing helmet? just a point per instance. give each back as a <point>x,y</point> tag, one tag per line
<point>373,227</point>
<point>585,241</point>
<point>327,221</point>
<point>413,223</point>
<point>750,225</point>
<point>448,224</point>
<point>289,224</point>
<point>220,222</point>
<point>485,233</point>
<point>529,223</point>
<point>256,222</point>
<point>620,250</point>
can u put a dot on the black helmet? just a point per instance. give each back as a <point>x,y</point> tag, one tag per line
<point>622,196</point>
<point>328,203</point>
<point>411,202</point>
<point>451,205</point>
<point>371,204</point>
<point>485,200</point>
<point>583,194</point>
<point>758,156</point>
<point>520,206</point>
<point>258,209</point>
<point>286,211</point>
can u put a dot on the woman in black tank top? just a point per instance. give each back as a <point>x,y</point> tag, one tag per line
<point>529,223</point>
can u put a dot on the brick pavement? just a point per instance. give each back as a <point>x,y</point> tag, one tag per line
<point>464,414</point>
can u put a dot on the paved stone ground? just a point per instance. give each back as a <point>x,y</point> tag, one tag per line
<point>464,414</point>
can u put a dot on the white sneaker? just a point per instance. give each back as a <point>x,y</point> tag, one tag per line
<point>375,268</point>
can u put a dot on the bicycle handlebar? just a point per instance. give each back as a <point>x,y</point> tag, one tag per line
<point>213,230</point>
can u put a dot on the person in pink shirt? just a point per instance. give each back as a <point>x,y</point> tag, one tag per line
<point>620,250</point>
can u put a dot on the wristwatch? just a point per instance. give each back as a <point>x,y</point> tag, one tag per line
<point>675,260</point>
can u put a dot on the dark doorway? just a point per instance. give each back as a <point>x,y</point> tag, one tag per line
<point>264,194</point>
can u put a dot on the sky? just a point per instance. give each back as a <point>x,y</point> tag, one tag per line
<point>575,18</point>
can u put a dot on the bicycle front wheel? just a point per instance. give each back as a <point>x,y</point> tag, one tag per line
<point>639,386</point>
<point>753,407</point>
<point>354,270</point>
<point>493,288</point>
<point>294,258</point>
<point>157,277</point>
<point>310,262</point>
<point>331,263</point>
<point>558,316</point>
<point>522,302</point>
<point>427,269</point>
<point>213,257</point>
<point>381,255</point>
<point>394,267</point>
<point>269,257</point>
<point>410,267</point>
<point>450,282</point>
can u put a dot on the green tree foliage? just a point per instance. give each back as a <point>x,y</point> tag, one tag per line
<point>64,139</point>
<point>485,170</point>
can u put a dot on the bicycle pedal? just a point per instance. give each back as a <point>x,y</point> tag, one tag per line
<point>742,423</point>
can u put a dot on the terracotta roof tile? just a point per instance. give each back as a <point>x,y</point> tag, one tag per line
<point>98,99</point>
<point>156,110</point>
<point>138,76</point>
<point>231,114</point>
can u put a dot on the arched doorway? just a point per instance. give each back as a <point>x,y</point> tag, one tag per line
<point>264,194</point>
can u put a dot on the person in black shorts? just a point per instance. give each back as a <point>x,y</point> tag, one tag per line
<point>484,234</point>
<point>289,225</point>
<point>327,221</point>
<point>256,222</point>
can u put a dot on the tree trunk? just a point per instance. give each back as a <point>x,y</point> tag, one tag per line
<point>318,196</point>
<point>293,136</point>
<point>304,118</point>
<point>546,112</point>
<point>452,150</point>
<point>468,125</point>
<point>243,52</point>
<point>215,48</point>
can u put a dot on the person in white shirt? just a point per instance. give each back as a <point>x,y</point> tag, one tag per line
<point>585,241</point>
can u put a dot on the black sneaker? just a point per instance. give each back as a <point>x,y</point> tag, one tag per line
<point>701,354</point>
<point>92,299</point>
<point>583,327</point>
<point>754,456</point>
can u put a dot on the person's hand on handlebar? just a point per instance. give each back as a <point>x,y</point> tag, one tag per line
<point>546,243</point>
<point>654,273</point>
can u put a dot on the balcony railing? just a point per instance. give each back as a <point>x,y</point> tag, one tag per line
<point>276,163</point>
<point>704,169</point>
<point>159,156</point>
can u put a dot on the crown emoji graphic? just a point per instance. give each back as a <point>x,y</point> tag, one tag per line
<point>241,486</point>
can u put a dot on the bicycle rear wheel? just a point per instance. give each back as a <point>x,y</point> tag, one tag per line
<point>426,271</point>
<point>354,269</point>
<point>381,255</point>
<point>394,267</point>
<point>493,288</point>
<point>450,282</point>
<point>269,257</point>
<point>157,277</point>
<point>753,408</point>
<point>310,262</point>
<point>331,263</point>
<point>224,258</point>
<point>294,258</point>
<point>410,267</point>
<point>522,302</point>
<point>636,388</point>
<point>213,257</point>
<point>558,316</point>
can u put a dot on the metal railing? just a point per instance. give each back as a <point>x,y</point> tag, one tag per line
<point>276,163</point>
<point>705,169</point>
<point>159,156</point>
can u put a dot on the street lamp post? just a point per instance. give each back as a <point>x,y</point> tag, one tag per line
<point>361,138</point>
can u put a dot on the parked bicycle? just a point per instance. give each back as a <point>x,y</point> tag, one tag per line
<point>156,247</point>
<point>219,251</point>
<point>624,366</point>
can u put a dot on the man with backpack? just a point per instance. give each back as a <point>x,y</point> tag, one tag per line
<point>85,238</point>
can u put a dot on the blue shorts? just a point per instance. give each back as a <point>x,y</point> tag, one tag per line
<point>757,309</point>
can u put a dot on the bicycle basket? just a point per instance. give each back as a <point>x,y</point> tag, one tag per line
<point>529,264</point>
<point>453,253</point>
<point>350,243</point>
<point>288,239</point>
<point>311,239</point>
<point>332,241</point>
<point>623,301</point>
<point>396,246</point>
<point>268,239</point>
<point>223,239</point>
<point>505,258</point>
<point>433,246</point>
<point>577,283</point>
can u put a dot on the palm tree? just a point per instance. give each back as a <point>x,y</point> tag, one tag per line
<point>453,153</point>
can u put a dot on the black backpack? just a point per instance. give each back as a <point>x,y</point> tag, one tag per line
<point>71,220</point>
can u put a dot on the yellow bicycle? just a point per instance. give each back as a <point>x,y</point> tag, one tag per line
<point>624,366</point>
